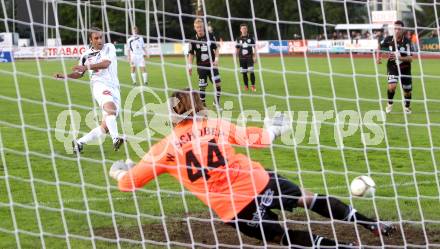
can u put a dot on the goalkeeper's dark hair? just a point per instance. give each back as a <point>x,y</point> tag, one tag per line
<point>93,30</point>
<point>399,22</point>
<point>244,25</point>
<point>186,104</point>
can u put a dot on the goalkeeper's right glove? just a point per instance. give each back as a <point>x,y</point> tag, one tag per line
<point>277,125</point>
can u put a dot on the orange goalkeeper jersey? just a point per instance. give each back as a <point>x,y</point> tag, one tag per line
<point>201,157</point>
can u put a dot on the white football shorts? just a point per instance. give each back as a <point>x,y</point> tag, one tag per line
<point>103,94</point>
<point>137,60</point>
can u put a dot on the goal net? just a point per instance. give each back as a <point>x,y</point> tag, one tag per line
<point>316,61</point>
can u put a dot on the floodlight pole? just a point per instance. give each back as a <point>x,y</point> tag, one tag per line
<point>147,20</point>
<point>163,20</point>
<point>13,16</point>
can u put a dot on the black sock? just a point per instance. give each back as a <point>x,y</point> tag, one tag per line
<point>407,99</point>
<point>302,238</point>
<point>253,78</point>
<point>245,79</point>
<point>390,96</point>
<point>202,94</point>
<point>218,94</point>
<point>339,211</point>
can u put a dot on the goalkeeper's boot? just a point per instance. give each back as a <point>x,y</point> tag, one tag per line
<point>253,88</point>
<point>246,88</point>
<point>117,143</point>
<point>77,147</point>
<point>386,229</point>
<point>389,108</point>
<point>407,110</point>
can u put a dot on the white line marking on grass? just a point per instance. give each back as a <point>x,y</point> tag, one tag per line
<point>129,198</point>
<point>377,186</point>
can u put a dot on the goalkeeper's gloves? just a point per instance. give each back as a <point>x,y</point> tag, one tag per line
<point>277,125</point>
<point>120,168</point>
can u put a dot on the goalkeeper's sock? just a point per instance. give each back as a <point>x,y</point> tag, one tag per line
<point>112,126</point>
<point>407,100</point>
<point>303,238</point>
<point>133,77</point>
<point>245,79</point>
<point>338,210</point>
<point>92,135</point>
<point>145,77</point>
<point>253,78</point>
<point>218,93</point>
<point>390,96</point>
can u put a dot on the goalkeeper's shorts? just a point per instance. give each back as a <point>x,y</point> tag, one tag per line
<point>280,194</point>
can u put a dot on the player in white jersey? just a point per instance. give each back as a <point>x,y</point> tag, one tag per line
<point>100,60</point>
<point>136,53</point>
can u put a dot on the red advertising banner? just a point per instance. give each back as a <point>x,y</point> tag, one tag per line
<point>64,51</point>
<point>297,46</point>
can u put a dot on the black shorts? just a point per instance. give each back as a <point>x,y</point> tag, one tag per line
<point>254,220</point>
<point>404,77</point>
<point>246,65</point>
<point>206,73</point>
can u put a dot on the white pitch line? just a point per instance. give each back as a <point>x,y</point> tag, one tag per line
<point>378,186</point>
<point>128,198</point>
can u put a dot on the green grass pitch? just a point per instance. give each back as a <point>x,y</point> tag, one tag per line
<point>77,191</point>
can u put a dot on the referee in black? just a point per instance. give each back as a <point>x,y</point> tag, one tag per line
<point>398,65</point>
<point>245,50</point>
<point>204,47</point>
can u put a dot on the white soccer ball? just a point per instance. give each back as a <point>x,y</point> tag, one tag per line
<point>363,186</point>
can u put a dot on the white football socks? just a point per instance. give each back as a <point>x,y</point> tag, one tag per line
<point>112,126</point>
<point>145,77</point>
<point>133,77</point>
<point>93,134</point>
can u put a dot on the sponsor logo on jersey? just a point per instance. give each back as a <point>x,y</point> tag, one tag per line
<point>107,92</point>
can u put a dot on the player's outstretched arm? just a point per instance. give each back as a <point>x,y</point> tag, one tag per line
<point>74,75</point>
<point>130,176</point>
<point>277,125</point>
<point>378,54</point>
<point>101,65</point>
<point>257,137</point>
<point>190,62</point>
<point>217,56</point>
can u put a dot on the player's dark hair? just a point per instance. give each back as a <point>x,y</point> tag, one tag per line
<point>187,102</point>
<point>399,22</point>
<point>243,25</point>
<point>93,30</point>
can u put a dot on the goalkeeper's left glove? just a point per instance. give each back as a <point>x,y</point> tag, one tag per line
<point>277,125</point>
<point>120,168</point>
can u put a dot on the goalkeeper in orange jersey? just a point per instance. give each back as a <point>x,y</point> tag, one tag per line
<point>200,155</point>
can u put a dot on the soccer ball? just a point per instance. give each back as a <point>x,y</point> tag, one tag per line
<point>363,186</point>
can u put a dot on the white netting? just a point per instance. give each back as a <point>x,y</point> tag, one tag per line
<point>324,76</point>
